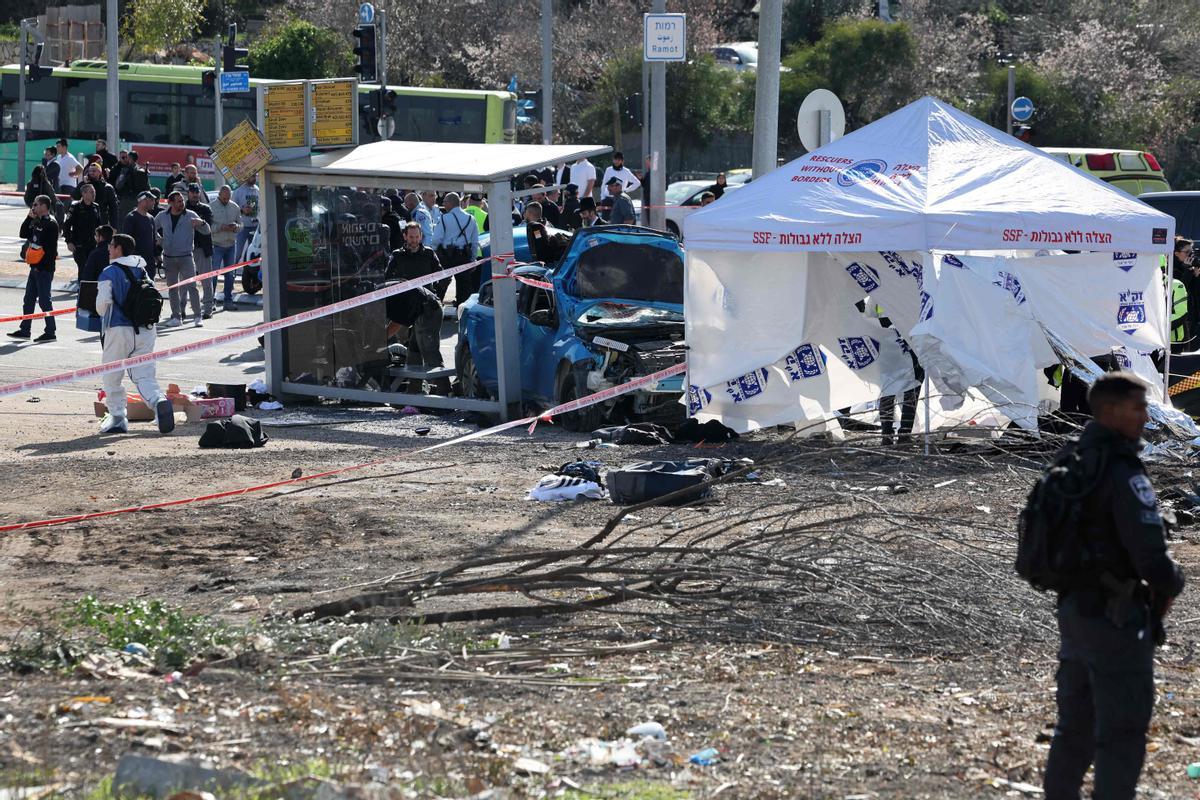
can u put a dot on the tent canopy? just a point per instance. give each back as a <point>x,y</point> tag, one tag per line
<point>928,177</point>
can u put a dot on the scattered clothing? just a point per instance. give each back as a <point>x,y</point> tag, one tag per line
<point>553,488</point>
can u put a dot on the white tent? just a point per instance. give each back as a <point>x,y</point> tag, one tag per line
<point>927,210</point>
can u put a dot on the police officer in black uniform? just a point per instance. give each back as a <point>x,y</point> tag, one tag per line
<point>1110,623</point>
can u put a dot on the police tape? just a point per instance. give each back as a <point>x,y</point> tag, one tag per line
<point>256,330</point>
<point>214,273</point>
<point>39,315</point>
<point>564,408</point>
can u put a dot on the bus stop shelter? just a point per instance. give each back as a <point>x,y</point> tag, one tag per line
<point>323,242</point>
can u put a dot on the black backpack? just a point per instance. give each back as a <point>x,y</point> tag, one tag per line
<point>143,303</point>
<point>1052,552</point>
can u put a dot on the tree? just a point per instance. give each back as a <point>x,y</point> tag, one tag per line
<point>298,49</point>
<point>151,25</point>
<point>804,20</point>
<point>869,64</point>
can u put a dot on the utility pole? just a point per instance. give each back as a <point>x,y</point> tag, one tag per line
<point>22,123</point>
<point>1012,96</point>
<point>114,86</point>
<point>766,94</point>
<point>381,55</point>
<point>645,137</point>
<point>658,137</point>
<point>217,116</point>
<point>547,71</point>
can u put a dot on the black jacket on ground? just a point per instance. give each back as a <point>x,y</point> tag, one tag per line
<point>1120,519</point>
<point>79,228</point>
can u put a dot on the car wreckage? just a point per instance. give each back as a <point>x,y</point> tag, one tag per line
<point>608,311</point>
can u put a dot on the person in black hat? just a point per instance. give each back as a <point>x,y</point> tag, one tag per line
<point>622,205</point>
<point>570,207</point>
<point>587,213</point>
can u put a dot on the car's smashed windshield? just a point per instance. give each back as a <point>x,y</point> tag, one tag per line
<point>629,271</point>
<point>624,315</point>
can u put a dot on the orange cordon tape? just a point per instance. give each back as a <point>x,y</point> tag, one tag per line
<point>58,312</point>
<point>214,273</point>
<point>583,402</point>
<point>257,330</point>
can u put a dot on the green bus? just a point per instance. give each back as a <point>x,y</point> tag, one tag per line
<point>166,115</point>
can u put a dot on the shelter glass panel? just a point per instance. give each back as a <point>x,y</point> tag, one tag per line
<point>333,247</point>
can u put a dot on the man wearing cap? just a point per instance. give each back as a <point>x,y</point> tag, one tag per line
<point>622,210</point>
<point>203,246</point>
<point>629,181</point>
<point>139,224</point>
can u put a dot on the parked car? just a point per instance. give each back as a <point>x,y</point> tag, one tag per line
<point>1183,206</point>
<point>740,56</point>
<point>1134,171</point>
<point>683,197</point>
<point>614,312</point>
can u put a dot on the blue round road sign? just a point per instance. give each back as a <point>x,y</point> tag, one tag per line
<point>1022,109</point>
<point>366,14</point>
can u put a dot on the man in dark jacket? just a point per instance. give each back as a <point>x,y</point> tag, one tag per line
<point>39,230</point>
<point>106,196</point>
<point>139,224</point>
<point>1109,623</point>
<point>79,228</point>
<point>107,159</point>
<point>130,182</point>
<point>204,247</point>
<point>52,168</point>
<point>395,225</point>
<point>417,313</point>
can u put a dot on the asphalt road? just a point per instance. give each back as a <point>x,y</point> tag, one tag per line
<point>235,362</point>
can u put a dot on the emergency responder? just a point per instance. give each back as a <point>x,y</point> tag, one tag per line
<point>1183,281</point>
<point>1110,621</point>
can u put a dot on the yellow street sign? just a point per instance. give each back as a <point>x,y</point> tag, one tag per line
<point>333,113</point>
<point>240,153</point>
<point>284,115</point>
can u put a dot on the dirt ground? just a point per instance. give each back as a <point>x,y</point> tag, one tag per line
<point>873,644</point>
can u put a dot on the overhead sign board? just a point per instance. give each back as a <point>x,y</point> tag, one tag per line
<point>1022,109</point>
<point>283,115</point>
<point>664,37</point>
<point>240,153</point>
<point>233,82</point>
<point>334,111</point>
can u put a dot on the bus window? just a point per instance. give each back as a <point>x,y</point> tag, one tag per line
<point>43,116</point>
<point>145,111</point>
<point>196,123</point>
<point>440,119</point>
<point>85,99</point>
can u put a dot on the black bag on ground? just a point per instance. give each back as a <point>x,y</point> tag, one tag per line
<point>235,433</point>
<point>690,430</point>
<point>637,483</point>
<point>143,303</point>
<point>1052,554</point>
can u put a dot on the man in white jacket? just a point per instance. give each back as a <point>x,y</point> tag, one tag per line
<point>122,339</point>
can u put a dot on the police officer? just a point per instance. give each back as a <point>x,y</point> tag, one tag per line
<point>1109,623</point>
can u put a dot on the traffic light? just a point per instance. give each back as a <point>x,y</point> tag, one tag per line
<point>208,82</point>
<point>367,67</point>
<point>36,70</point>
<point>633,108</point>
<point>231,54</point>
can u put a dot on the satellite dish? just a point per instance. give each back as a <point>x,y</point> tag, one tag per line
<point>820,106</point>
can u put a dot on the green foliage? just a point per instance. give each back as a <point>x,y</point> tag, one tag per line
<point>1061,120</point>
<point>9,31</point>
<point>171,636</point>
<point>702,99</point>
<point>151,25</point>
<point>804,21</point>
<point>299,49</point>
<point>868,63</point>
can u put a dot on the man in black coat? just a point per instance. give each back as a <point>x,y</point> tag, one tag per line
<point>79,228</point>
<point>130,182</point>
<point>40,230</point>
<point>106,196</point>
<point>1111,618</point>
<point>417,313</point>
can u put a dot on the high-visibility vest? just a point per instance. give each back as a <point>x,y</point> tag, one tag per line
<point>1179,307</point>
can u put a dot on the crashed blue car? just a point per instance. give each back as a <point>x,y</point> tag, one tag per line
<point>614,312</point>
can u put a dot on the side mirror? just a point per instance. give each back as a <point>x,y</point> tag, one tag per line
<point>542,317</point>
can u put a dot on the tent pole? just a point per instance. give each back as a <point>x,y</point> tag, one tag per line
<point>926,413</point>
<point>1168,310</point>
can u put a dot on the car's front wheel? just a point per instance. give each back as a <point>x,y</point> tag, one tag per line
<point>470,385</point>
<point>585,419</point>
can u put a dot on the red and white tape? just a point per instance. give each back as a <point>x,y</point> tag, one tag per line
<point>257,330</point>
<point>58,312</point>
<point>213,274</point>
<point>573,405</point>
